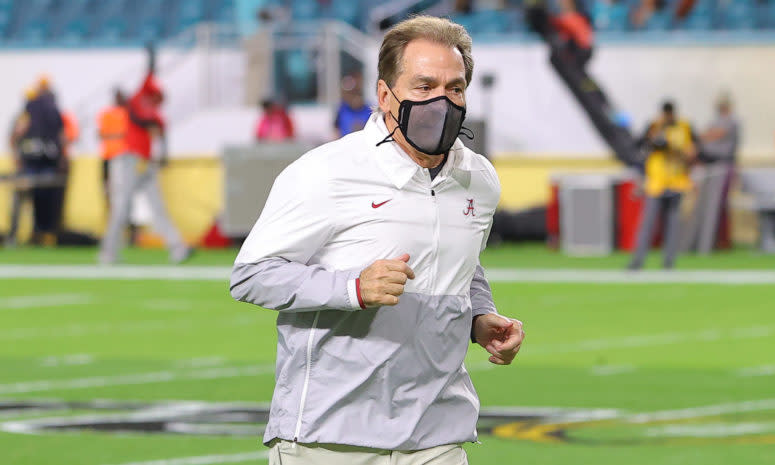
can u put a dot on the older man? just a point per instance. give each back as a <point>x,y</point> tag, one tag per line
<point>368,247</point>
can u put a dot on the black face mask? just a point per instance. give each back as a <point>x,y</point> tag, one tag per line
<point>430,126</point>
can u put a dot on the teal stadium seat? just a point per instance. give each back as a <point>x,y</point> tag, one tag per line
<point>610,17</point>
<point>305,10</point>
<point>700,18</point>
<point>737,15</point>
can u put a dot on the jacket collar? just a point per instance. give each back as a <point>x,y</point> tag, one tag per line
<point>400,168</point>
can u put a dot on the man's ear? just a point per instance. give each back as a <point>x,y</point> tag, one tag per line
<point>383,96</point>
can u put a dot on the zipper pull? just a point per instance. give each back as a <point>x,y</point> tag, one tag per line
<point>433,193</point>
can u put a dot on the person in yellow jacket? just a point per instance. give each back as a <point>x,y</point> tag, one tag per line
<point>670,142</point>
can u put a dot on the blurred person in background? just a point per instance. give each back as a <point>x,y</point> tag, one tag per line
<point>574,27</point>
<point>353,113</point>
<point>38,142</point>
<point>275,124</point>
<point>72,131</point>
<point>719,144</point>
<point>671,148</point>
<point>145,142</point>
<point>722,137</point>
<point>113,126</point>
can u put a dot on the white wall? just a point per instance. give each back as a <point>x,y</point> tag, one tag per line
<point>532,111</point>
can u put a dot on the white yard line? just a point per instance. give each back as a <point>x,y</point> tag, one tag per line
<point>609,370</point>
<point>67,360</point>
<point>764,370</point>
<point>121,272</point>
<point>650,340</point>
<point>732,277</point>
<point>504,275</point>
<point>44,300</point>
<point>133,379</point>
<point>208,459</point>
<point>709,410</point>
<point>77,330</point>
<point>713,430</point>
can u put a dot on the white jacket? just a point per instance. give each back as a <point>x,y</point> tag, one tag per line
<point>391,377</point>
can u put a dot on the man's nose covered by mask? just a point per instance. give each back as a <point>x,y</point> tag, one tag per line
<point>430,126</point>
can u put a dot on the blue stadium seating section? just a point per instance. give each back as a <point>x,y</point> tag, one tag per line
<point>132,22</point>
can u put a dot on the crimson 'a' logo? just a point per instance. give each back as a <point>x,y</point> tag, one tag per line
<point>470,208</point>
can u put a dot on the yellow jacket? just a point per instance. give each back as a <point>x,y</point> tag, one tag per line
<point>669,169</point>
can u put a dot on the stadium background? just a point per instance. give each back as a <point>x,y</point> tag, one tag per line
<point>616,369</point>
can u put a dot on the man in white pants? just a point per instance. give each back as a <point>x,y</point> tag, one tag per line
<point>368,247</point>
<point>144,142</point>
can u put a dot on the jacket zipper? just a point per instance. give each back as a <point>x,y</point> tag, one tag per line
<point>436,234</point>
<point>305,388</point>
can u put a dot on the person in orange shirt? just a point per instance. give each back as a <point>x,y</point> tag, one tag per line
<point>145,144</point>
<point>113,124</point>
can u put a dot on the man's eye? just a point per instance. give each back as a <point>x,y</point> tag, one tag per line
<point>425,88</point>
<point>457,90</point>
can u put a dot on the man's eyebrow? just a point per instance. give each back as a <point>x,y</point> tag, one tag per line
<point>419,79</point>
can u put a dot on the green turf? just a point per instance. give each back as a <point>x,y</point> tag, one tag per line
<point>633,348</point>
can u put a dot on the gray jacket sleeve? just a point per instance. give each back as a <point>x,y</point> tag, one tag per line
<point>481,294</point>
<point>275,267</point>
<point>279,284</point>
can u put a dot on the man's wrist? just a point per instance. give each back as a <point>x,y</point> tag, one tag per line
<point>473,327</point>
<point>354,297</point>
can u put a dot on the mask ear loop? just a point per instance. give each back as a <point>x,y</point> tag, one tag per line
<point>464,131</point>
<point>389,137</point>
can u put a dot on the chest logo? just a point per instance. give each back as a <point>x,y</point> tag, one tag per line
<point>469,210</point>
<point>377,205</point>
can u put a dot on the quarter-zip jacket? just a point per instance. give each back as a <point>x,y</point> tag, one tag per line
<point>389,377</point>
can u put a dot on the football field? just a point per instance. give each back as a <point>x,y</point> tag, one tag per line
<point>134,365</point>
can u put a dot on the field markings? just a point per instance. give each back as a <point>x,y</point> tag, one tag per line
<point>207,459</point>
<point>500,275</point>
<point>763,370</point>
<point>67,360</point>
<point>712,430</point>
<point>134,379</point>
<point>649,340</point>
<point>45,300</point>
<point>704,411</point>
<point>730,277</point>
<point>81,329</point>
<point>610,370</point>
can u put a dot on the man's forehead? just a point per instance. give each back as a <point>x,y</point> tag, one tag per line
<point>429,54</point>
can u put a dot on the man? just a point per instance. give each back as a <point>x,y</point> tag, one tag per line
<point>145,134</point>
<point>353,113</point>
<point>38,141</point>
<point>113,124</point>
<point>368,247</point>
<point>670,143</point>
<point>719,145</point>
<point>275,124</point>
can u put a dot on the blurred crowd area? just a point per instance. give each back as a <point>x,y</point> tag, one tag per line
<point>133,22</point>
<point>294,88</point>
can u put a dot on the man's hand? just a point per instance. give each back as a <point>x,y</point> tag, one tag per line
<point>501,336</point>
<point>383,281</point>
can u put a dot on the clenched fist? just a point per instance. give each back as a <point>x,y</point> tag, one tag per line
<point>383,281</point>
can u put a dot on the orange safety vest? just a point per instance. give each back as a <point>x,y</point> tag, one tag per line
<point>70,123</point>
<point>113,124</point>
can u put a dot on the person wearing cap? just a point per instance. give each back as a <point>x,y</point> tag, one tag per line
<point>145,144</point>
<point>38,144</point>
<point>368,248</point>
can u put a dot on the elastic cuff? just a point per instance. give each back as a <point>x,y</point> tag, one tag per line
<point>353,293</point>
